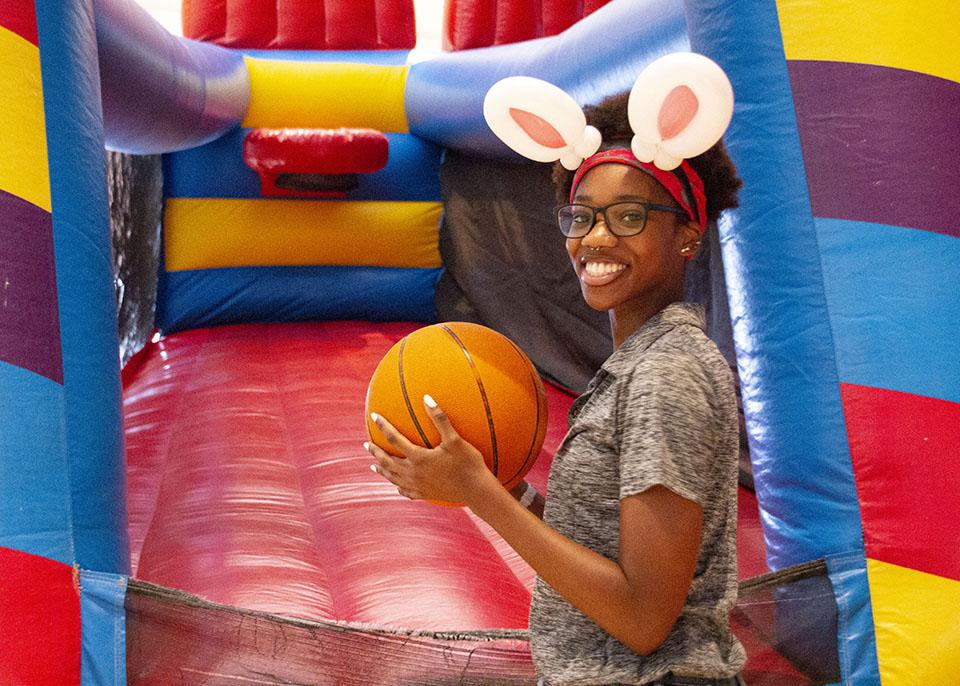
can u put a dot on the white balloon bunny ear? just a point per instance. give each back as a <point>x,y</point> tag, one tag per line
<point>679,106</point>
<point>539,121</point>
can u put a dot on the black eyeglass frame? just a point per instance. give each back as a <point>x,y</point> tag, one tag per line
<point>612,227</point>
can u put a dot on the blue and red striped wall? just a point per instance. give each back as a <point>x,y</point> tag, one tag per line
<point>844,260</point>
<point>62,503</point>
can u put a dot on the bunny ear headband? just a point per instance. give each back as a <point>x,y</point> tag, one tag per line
<point>679,106</point>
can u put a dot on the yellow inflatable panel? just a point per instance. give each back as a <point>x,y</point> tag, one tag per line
<point>904,34</point>
<point>326,95</point>
<point>24,170</point>
<point>201,233</point>
<point>916,620</point>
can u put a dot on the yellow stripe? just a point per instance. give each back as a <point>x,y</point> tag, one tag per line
<point>915,617</point>
<point>23,134</point>
<point>218,232</point>
<point>288,94</point>
<point>919,36</point>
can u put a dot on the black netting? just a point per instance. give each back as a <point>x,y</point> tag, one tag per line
<point>136,201</point>
<point>787,621</point>
<point>175,638</point>
<point>507,268</point>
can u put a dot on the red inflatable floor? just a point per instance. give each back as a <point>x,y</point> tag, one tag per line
<point>248,486</point>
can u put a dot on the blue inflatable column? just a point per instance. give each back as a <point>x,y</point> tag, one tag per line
<point>598,56</point>
<point>786,348</point>
<point>85,287</point>
<point>62,478</point>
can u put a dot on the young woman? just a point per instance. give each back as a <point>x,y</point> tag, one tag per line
<point>635,553</point>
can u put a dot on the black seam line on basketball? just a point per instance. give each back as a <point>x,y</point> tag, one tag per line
<point>483,395</point>
<point>406,396</point>
<point>537,391</point>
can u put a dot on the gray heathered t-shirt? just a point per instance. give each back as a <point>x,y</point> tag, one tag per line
<point>661,410</point>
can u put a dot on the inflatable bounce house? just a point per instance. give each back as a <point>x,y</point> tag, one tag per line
<point>207,515</point>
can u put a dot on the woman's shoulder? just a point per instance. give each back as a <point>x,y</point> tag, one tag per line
<point>682,361</point>
<point>682,347</point>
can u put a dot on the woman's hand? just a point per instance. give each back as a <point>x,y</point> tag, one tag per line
<point>636,599</point>
<point>454,471</point>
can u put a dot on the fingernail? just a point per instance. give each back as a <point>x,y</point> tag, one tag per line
<point>430,402</point>
<point>373,468</point>
<point>375,417</point>
<point>366,446</point>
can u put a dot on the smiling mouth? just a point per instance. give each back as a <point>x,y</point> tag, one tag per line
<point>600,272</point>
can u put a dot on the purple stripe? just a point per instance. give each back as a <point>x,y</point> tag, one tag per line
<point>29,317</point>
<point>879,144</point>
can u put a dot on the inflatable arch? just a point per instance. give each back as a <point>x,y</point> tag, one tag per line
<point>239,445</point>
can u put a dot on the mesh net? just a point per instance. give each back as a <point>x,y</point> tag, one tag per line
<point>175,638</point>
<point>786,620</point>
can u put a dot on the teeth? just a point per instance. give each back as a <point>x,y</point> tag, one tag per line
<point>597,269</point>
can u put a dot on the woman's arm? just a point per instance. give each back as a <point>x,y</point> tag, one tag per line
<point>636,599</point>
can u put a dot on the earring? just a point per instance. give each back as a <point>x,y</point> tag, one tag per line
<point>687,249</point>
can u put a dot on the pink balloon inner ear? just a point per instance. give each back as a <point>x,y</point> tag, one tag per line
<point>677,111</point>
<point>538,128</point>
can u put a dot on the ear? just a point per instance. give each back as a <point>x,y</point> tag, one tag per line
<point>679,106</point>
<point>689,237</point>
<point>539,121</point>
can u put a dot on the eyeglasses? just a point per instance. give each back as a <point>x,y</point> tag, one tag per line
<point>622,218</point>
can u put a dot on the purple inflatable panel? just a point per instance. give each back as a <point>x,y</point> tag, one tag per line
<point>29,316</point>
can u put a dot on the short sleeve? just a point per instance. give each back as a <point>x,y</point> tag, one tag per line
<point>669,428</point>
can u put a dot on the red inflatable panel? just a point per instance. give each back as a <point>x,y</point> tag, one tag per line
<point>481,23</point>
<point>20,18</point>
<point>908,520</point>
<point>251,23</point>
<point>248,486</point>
<point>469,24</point>
<point>518,20</point>
<point>591,6</point>
<point>560,15</point>
<point>315,151</point>
<point>751,551</point>
<point>352,25</point>
<point>205,20</point>
<point>300,25</point>
<point>39,620</point>
<point>271,152</point>
<point>396,25</point>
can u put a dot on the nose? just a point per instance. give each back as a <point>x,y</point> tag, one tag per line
<point>599,235</point>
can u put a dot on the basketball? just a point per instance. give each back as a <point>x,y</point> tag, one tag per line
<point>483,382</point>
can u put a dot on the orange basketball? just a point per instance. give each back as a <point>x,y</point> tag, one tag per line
<point>483,382</point>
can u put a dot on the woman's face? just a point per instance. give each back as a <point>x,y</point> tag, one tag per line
<point>645,269</point>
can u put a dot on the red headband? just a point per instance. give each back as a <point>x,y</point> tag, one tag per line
<point>668,179</point>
